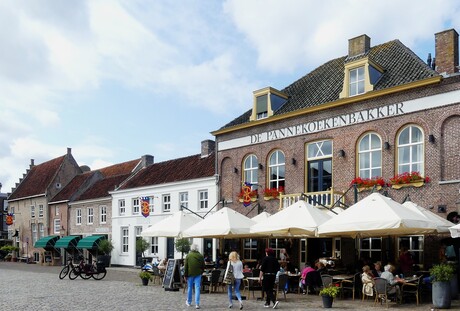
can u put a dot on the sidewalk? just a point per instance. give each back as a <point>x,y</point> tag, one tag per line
<point>122,290</point>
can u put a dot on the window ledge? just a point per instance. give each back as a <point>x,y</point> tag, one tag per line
<point>447,182</point>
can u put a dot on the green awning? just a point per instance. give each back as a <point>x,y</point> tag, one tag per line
<point>68,241</point>
<point>47,242</point>
<point>91,241</point>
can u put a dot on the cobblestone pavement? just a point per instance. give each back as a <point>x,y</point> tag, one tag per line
<point>34,287</point>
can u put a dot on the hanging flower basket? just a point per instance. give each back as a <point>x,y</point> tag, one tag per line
<point>413,179</point>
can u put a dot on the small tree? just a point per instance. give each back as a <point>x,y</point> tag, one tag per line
<point>141,246</point>
<point>183,246</point>
<point>105,247</point>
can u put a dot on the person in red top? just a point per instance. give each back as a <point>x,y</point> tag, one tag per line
<point>405,261</point>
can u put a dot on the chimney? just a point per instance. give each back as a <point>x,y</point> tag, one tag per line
<point>446,46</point>
<point>69,150</point>
<point>147,160</point>
<point>358,45</point>
<point>32,163</point>
<point>207,147</point>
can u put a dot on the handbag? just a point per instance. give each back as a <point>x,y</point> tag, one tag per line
<point>229,277</point>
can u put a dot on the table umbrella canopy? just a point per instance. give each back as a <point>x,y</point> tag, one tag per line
<point>172,226</point>
<point>261,217</point>
<point>374,216</point>
<point>297,220</point>
<point>225,223</point>
<point>455,231</point>
<point>442,224</point>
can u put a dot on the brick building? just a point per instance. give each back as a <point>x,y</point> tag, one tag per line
<point>379,111</point>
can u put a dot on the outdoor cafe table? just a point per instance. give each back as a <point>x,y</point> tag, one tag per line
<point>294,281</point>
<point>341,277</point>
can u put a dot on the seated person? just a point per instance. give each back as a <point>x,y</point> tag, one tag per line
<point>303,276</point>
<point>377,272</point>
<point>246,269</point>
<point>392,280</point>
<point>284,255</point>
<point>320,267</point>
<point>162,265</point>
<point>367,278</point>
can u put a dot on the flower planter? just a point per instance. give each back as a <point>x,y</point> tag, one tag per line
<point>145,282</point>
<point>360,189</point>
<point>327,301</point>
<point>441,295</point>
<point>416,184</point>
<point>268,198</point>
<point>252,200</point>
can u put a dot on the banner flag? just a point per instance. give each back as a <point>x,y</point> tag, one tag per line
<point>145,202</point>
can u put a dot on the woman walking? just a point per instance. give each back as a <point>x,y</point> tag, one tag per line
<point>237,267</point>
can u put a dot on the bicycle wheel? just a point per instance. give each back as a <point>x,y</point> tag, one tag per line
<point>74,273</point>
<point>99,275</point>
<point>64,272</point>
<point>84,275</point>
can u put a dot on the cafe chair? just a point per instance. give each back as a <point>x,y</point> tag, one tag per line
<point>220,282</point>
<point>313,282</point>
<point>350,285</point>
<point>251,286</point>
<point>412,289</point>
<point>157,274</point>
<point>326,279</point>
<point>212,282</point>
<point>281,285</point>
<point>381,288</point>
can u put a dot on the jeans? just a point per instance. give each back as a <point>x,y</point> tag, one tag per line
<point>193,281</point>
<point>237,285</point>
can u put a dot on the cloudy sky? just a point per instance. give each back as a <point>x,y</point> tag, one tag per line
<point>117,79</point>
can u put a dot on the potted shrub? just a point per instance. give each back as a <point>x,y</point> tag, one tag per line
<point>105,248</point>
<point>441,274</point>
<point>328,294</point>
<point>145,277</point>
<point>141,246</point>
<point>183,246</point>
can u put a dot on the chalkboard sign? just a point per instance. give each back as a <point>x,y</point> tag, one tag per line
<point>172,275</point>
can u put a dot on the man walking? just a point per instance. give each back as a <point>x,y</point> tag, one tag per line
<point>268,270</point>
<point>193,269</point>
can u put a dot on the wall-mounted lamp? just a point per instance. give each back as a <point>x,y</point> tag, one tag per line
<point>293,161</point>
<point>431,138</point>
<point>386,145</point>
<point>341,153</point>
<point>441,208</point>
<point>235,170</point>
<point>261,167</point>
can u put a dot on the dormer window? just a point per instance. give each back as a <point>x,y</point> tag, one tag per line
<point>266,102</point>
<point>360,77</point>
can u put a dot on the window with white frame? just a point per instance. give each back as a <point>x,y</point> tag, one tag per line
<point>78,216</point>
<point>136,206</point>
<point>415,245</point>
<point>90,216</point>
<point>32,211</point>
<point>250,170</point>
<point>57,226</point>
<point>410,150</point>
<point>138,231</point>
<point>103,214</point>
<point>319,166</point>
<point>41,230</point>
<point>166,198</point>
<point>183,199</point>
<point>371,248</point>
<point>154,245</point>
<point>124,240</point>
<point>203,198</point>
<point>276,170</point>
<point>277,245</point>
<point>40,211</point>
<point>56,211</point>
<point>151,204</point>
<point>356,81</point>
<point>250,249</point>
<point>121,207</point>
<point>34,233</point>
<point>370,156</point>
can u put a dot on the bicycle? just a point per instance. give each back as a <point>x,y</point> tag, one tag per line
<point>67,268</point>
<point>96,270</point>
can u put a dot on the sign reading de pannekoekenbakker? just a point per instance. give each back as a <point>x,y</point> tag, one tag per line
<point>345,120</point>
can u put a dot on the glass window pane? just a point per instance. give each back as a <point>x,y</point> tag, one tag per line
<point>353,75</point>
<point>416,134</point>
<point>376,158</point>
<point>376,172</point>
<point>417,152</point>
<point>364,161</point>
<point>404,137</point>
<point>312,150</point>
<point>364,144</point>
<point>360,87</point>
<point>327,148</point>
<point>375,142</point>
<point>404,155</point>
<point>361,73</point>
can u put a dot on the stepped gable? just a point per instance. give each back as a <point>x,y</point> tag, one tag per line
<point>187,168</point>
<point>324,84</point>
<point>38,179</point>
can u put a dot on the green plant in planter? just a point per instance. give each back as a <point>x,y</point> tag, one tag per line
<point>331,291</point>
<point>442,272</point>
<point>141,246</point>
<point>105,246</point>
<point>145,275</point>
